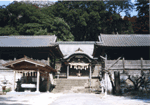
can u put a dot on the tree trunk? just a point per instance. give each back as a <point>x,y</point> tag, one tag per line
<point>117,82</point>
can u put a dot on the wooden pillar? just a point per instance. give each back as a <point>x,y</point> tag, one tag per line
<point>105,75</point>
<point>106,84</point>
<point>67,71</point>
<point>141,66</point>
<point>149,48</point>
<point>123,63</point>
<point>54,61</point>
<point>48,82</point>
<point>38,81</point>
<point>13,89</point>
<point>105,61</point>
<point>90,77</point>
<point>117,82</point>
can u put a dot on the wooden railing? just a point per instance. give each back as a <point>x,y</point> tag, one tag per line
<point>129,64</point>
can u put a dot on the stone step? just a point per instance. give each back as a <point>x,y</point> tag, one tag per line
<point>70,85</point>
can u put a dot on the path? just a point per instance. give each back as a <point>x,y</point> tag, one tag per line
<point>68,99</point>
<point>96,99</point>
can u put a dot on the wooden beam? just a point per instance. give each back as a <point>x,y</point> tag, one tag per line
<point>12,65</point>
<point>102,57</point>
<point>52,53</point>
<point>113,63</point>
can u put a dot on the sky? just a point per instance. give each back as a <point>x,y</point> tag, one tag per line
<point>6,2</point>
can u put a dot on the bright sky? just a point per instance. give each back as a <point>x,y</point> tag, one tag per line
<point>6,2</point>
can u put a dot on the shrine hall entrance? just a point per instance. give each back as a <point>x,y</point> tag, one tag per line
<point>79,64</point>
<point>78,72</point>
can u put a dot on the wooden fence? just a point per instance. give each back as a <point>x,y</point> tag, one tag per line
<point>128,64</point>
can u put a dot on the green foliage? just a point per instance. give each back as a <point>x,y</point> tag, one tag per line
<point>90,18</point>
<point>83,17</point>
<point>8,30</point>
<point>114,21</point>
<point>68,20</point>
<point>142,7</point>
<point>7,90</point>
<point>142,21</point>
<point>62,30</point>
<point>26,19</point>
<point>119,6</point>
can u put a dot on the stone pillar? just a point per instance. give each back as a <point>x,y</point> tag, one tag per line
<point>48,82</point>
<point>67,71</point>
<point>13,89</point>
<point>90,73</point>
<point>38,81</point>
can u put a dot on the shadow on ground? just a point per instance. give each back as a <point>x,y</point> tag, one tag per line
<point>141,96</point>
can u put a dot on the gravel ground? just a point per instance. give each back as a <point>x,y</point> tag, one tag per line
<point>68,99</point>
<point>28,98</point>
<point>97,99</point>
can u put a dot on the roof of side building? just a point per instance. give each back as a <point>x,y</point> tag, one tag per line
<point>124,40</point>
<point>28,41</point>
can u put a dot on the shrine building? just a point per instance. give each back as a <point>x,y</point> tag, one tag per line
<point>40,63</point>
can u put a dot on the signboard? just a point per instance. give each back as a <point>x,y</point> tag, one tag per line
<point>28,86</point>
<point>78,56</point>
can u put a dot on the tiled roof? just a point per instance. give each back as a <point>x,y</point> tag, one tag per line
<point>31,61</point>
<point>69,48</point>
<point>8,61</point>
<point>27,41</point>
<point>3,62</point>
<point>123,40</point>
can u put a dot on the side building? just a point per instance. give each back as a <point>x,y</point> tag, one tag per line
<point>40,50</point>
<point>128,55</point>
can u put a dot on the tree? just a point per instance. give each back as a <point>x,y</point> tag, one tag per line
<point>116,7</point>
<point>88,19</point>
<point>142,21</point>
<point>127,27</point>
<point>84,18</point>
<point>4,17</point>
<point>62,30</point>
<point>28,19</point>
<point>141,81</point>
<point>39,4</point>
<point>114,21</point>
